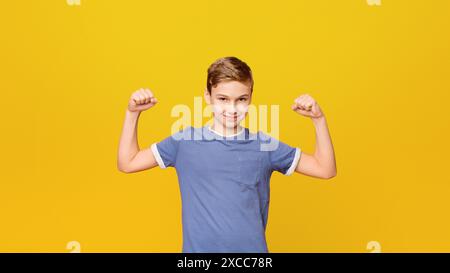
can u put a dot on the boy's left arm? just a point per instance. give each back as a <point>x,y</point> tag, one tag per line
<point>322,163</point>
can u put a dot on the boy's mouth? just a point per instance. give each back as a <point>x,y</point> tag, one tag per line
<point>230,115</point>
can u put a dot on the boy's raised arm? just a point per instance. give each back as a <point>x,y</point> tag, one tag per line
<point>130,158</point>
<point>322,164</point>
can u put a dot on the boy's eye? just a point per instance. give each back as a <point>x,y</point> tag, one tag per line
<point>222,99</point>
<point>243,99</point>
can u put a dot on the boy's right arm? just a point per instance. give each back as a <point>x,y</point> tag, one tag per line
<point>130,158</point>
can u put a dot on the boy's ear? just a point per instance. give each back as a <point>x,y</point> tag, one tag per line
<point>207,96</point>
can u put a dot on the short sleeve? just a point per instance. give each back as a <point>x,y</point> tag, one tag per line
<point>284,158</point>
<point>165,151</point>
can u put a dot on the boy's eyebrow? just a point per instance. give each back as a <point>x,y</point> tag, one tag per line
<point>223,95</point>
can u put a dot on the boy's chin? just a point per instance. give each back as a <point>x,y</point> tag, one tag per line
<point>232,126</point>
<point>229,125</point>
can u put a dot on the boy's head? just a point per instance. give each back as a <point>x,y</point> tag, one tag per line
<point>229,90</point>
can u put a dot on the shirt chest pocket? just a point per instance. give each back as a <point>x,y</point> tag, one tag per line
<point>250,165</point>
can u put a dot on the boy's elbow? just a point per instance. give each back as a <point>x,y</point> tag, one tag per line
<point>123,168</point>
<point>330,174</point>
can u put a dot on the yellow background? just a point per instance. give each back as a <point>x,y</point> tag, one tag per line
<point>380,74</point>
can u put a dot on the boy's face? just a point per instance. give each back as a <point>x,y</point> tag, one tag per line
<point>229,101</point>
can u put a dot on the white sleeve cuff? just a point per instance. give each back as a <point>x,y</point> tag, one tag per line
<point>157,156</point>
<point>294,162</point>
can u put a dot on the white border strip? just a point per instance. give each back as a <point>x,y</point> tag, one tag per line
<point>294,162</point>
<point>232,135</point>
<point>157,156</point>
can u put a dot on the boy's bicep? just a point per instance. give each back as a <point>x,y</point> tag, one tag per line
<point>308,165</point>
<point>143,160</point>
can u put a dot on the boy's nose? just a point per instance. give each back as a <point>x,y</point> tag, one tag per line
<point>231,108</point>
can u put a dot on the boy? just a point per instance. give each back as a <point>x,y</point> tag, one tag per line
<point>223,172</point>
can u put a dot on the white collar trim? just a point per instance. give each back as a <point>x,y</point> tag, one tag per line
<point>217,133</point>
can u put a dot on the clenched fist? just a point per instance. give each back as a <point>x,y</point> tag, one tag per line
<point>305,105</point>
<point>141,100</point>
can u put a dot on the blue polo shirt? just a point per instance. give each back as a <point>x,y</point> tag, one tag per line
<point>224,185</point>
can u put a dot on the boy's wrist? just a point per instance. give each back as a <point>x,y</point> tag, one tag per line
<point>133,113</point>
<point>318,119</point>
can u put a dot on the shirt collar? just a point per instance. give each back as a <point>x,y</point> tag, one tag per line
<point>219,134</point>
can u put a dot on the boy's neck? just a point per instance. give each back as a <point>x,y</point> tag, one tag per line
<point>224,131</point>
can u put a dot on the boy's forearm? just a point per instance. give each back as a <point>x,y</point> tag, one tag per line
<point>324,152</point>
<point>128,144</point>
